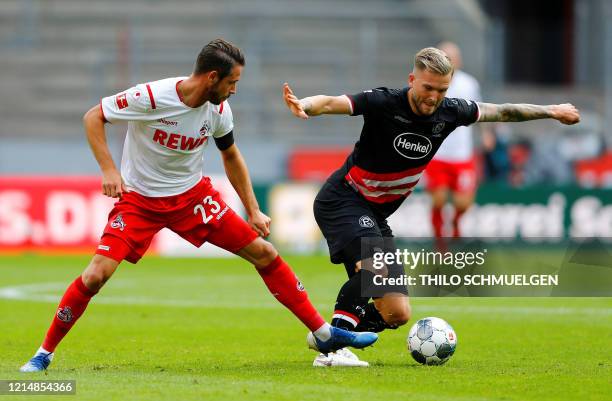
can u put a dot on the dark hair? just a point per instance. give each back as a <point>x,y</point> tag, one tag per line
<point>218,55</point>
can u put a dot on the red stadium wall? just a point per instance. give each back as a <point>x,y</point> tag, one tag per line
<point>315,163</point>
<point>50,213</point>
<point>67,214</point>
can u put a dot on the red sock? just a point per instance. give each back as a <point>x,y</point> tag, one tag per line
<point>456,231</point>
<point>70,308</point>
<point>285,286</point>
<point>436,221</point>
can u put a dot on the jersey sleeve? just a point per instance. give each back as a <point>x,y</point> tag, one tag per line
<point>367,102</point>
<point>225,123</point>
<point>467,111</point>
<point>134,104</point>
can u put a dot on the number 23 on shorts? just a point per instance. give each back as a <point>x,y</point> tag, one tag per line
<point>213,208</point>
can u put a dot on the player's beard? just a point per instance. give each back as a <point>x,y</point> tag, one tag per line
<point>418,103</point>
<point>216,97</point>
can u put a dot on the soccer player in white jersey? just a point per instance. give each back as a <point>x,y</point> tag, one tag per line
<point>161,186</point>
<point>453,167</point>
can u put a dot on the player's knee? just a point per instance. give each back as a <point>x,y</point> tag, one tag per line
<point>98,272</point>
<point>463,203</point>
<point>264,254</point>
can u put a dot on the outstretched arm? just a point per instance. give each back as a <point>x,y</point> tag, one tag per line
<point>315,105</point>
<point>508,112</point>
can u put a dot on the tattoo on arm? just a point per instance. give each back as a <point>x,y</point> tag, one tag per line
<point>509,112</point>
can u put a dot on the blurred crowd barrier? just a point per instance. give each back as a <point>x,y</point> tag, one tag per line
<point>67,214</point>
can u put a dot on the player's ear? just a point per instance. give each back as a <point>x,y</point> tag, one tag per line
<point>213,76</point>
<point>411,79</point>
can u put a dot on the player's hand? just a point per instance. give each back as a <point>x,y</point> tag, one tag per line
<point>112,184</point>
<point>565,113</point>
<point>260,223</point>
<point>293,102</point>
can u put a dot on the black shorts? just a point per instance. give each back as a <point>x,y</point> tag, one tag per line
<point>345,218</point>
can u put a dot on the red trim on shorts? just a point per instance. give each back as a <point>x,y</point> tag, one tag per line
<point>151,96</point>
<point>119,249</point>
<point>102,111</point>
<point>341,312</point>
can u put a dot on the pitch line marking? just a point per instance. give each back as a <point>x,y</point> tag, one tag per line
<point>39,292</point>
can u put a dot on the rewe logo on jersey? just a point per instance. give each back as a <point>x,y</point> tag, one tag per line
<point>177,141</point>
<point>412,146</point>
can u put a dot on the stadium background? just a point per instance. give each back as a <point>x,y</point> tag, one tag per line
<point>60,57</point>
<point>188,328</point>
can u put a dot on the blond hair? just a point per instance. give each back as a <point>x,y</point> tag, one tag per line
<point>434,60</point>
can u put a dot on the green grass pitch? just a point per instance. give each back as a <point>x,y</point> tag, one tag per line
<point>207,329</point>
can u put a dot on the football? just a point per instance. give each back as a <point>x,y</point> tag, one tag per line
<point>431,341</point>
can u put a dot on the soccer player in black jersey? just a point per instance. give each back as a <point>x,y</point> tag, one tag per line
<point>401,132</point>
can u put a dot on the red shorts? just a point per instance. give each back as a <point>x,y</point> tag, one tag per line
<point>458,176</point>
<point>198,215</point>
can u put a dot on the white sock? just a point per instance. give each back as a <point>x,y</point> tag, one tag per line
<point>41,349</point>
<point>323,333</point>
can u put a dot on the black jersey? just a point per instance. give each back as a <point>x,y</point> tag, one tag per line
<point>396,144</point>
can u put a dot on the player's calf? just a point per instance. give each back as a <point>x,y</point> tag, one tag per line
<point>388,312</point>
<point>71,307</point>
<point>394,309</point>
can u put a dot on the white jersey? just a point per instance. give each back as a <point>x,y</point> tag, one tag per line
<point>164,146</point>
<point>458,146</point>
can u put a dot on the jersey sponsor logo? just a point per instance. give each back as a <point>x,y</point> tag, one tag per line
<point>65,314</point>
<point>177,141</point>
<point>366,221</point>
<point>118,223</point>
<point>121,101</point>
<point>167,122</point>
<point>438,127</point>
<point>412,146</point>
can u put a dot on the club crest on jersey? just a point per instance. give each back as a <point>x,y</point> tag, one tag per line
<point>121,100</point>
<point>205,128</point>
<point>360,311</point>
<point>412,146</point>
<point>118,223</point>
<point>366,221</point>
<point>65,314</point>
<point>438,128</point>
